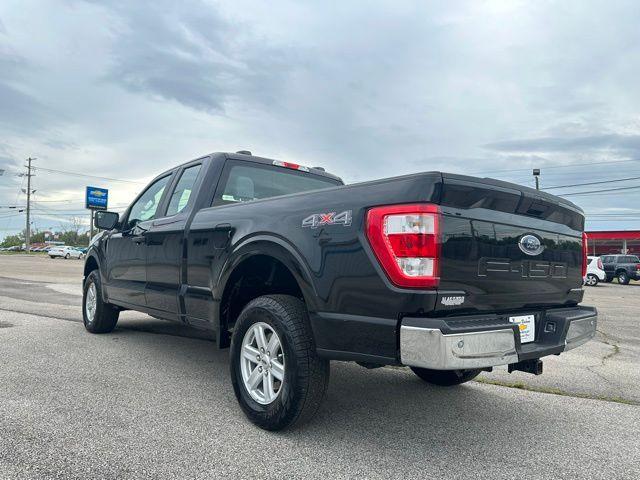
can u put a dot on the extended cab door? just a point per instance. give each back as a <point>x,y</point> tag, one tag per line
<point>126,248</point>
<point>165,242</point>
<point>608,265</point>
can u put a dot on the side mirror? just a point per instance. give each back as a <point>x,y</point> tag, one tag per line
<point>106,220</point>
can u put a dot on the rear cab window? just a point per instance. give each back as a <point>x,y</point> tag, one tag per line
<point>247,181</point>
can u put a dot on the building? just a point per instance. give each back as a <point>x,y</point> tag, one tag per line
<point>614,241</point>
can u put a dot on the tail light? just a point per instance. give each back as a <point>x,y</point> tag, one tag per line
<point>406,241</point>
<point>600,266</point>
<point>584,254</point>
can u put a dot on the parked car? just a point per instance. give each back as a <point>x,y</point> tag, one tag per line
<point>447,274</point>
<point>623,267</point>
<point>595,272</point>
<point>65,252</point>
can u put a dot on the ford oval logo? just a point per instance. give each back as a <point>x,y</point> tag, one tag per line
<point>531,245</point>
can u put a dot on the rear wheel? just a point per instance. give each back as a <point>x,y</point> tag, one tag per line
<point>277,376</point>
<point>445,378</point>
<point>98,316</point>
<point>623,278</point>
<point>67,256</point>
<point>592,280</point>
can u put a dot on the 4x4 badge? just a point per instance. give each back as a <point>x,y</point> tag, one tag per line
<point>332,218</point>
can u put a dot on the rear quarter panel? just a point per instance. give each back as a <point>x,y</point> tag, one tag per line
<point>340,279</point>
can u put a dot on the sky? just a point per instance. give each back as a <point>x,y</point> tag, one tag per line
<point>123,90</point>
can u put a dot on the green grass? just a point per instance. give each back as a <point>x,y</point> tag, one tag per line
<point>555,391</point>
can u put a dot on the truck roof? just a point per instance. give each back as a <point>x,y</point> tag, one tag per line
<point>248,157</point>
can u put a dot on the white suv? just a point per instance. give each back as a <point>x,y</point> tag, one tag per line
<point>595,272</point>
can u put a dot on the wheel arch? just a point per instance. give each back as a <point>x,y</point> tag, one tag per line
<point>91,263</point>
<point>261,265</point>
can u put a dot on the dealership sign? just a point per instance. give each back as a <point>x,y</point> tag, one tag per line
<point>96,198</point>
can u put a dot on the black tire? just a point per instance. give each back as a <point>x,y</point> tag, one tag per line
<point>67,256</point>
<point>51,256</point>
<point>306,376</point>
<point>623,278</point>
<point>592,280</point>
<point>106,315</point>
<point>445,378</point>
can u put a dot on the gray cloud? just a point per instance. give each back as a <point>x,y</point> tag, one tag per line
<point>569,144</point>
<point>120,88</point>
<point>192,55</point>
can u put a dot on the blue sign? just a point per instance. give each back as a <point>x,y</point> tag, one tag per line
<point>96,198</point>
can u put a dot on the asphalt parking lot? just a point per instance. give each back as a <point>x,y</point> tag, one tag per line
<point>154,400</point>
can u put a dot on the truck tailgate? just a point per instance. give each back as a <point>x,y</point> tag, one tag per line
<point>506,247</point>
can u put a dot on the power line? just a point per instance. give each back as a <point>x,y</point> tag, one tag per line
<point>51,170</point>
<point>554,166</point>
<point>592,183</point>
<point>599,191</point>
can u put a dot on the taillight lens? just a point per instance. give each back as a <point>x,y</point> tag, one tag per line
<point>406,242</point>
<point>600,266</point>
<point>584,254</point>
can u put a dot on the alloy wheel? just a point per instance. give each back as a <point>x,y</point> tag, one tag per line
<point>91,302</point>
<point>262,363</point>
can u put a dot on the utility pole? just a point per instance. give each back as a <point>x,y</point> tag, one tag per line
<point>90,225</point>
<point>536,175</point>
<point>27,239</point>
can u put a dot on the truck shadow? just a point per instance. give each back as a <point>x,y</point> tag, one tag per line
<point>364,409</point>
<point>163,384</point>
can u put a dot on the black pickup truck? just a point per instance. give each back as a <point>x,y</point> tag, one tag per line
<point>623,267</point>
<point>447,274</point>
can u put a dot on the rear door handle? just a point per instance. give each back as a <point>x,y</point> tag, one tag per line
<point>220,242</point>
<point>139,239</point>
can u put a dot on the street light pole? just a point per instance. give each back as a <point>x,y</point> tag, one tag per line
<point>536,175</point>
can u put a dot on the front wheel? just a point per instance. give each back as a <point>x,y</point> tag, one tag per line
<point>67,256</point>
<point>445,378</point>
<point>592,280</point>
<point>98,316</point>
<point>623,278</point>
<point>277,376</point>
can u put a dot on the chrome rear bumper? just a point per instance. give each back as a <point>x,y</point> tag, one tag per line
<point>431,348</point>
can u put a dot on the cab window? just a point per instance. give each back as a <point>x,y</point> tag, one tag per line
<point>182,193</point>
<point>145,207</point>
<point>245,181</point>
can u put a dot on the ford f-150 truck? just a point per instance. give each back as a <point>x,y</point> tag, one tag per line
<point>446,274</point>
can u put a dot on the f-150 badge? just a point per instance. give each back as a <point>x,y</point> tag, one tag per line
<point>332,218</point>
